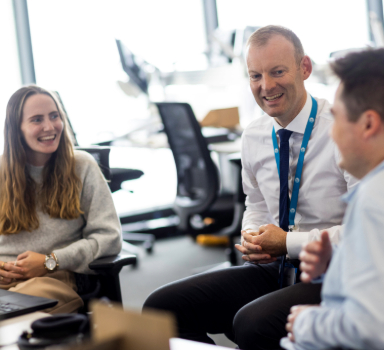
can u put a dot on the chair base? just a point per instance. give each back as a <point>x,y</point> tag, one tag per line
<point>146,239</point>
<point>212,240</point>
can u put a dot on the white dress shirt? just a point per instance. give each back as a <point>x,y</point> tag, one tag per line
<point>322,183</point>
<point>351,315</point>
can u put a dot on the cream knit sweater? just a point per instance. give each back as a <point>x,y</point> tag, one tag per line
<point>75,242</point>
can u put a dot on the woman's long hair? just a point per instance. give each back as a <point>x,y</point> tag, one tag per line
<point>59,195</point>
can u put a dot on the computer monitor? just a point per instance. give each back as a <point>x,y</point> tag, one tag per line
<point>135,72</point>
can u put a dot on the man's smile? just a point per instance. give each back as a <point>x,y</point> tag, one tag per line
<point>273,98</point>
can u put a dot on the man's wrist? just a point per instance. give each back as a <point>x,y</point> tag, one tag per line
<point>285,249</point>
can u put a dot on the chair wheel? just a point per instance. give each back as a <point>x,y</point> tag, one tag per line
<point>148,246</point>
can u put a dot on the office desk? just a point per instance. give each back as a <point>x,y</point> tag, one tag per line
<point>156,189</point>
<point>11,329</point>
<point>229,173</point>
<point>153,194</point>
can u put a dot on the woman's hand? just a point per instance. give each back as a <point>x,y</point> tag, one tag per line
<point>8,272</point>
<point>32,264</point>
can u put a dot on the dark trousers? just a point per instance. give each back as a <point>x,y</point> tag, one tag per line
<point>243,302</point>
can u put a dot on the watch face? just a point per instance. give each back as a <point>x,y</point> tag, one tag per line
<point>51,264</point>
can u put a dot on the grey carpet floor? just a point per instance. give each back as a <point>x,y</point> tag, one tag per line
<point>172,259</point>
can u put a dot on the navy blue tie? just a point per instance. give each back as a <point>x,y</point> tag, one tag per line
<point>284,136</point>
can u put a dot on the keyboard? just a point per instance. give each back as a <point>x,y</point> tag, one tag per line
<point>8,307</point>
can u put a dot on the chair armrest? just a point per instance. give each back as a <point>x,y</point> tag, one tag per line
<point>112,264</point>
<point>119,175</point>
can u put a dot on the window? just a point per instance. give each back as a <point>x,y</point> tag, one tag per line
<point>323,26</point>
<point>75,54</point>
<point>9,63</point>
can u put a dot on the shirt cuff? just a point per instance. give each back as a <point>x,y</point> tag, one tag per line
<point>319,279</point>
<point>251,227</point>
<point>285,343</point>
<point>295,242</point>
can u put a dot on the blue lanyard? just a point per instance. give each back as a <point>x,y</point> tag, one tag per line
<point>300,162</point>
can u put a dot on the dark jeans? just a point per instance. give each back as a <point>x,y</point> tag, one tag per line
<point>243,302</point>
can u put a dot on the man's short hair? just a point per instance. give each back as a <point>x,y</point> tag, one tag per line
<point>262,35</point>
<point>362,76</point>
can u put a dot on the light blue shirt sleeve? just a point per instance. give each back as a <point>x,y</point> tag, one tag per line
<point>352,311</point>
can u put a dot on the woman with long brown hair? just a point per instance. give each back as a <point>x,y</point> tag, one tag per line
<point>56,210</point>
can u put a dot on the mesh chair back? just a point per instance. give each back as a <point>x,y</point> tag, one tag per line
<point>101,155</point>
<point>197,175</point>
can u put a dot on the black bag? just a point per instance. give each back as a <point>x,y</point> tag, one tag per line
<point>55,330</point>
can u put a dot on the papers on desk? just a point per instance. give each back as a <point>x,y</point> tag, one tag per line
<point>182,344</point>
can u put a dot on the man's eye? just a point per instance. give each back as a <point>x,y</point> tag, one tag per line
<point>255,76</point>
<point>279,72</point>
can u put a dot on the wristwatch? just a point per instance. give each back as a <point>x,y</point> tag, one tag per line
<point>51,263</point>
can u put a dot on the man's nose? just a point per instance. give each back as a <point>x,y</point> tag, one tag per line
<point>267,83</point>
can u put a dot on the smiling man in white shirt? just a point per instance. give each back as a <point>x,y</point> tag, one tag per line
<point>293,184</point>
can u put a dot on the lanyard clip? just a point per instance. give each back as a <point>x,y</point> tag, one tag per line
<point>291,228</point>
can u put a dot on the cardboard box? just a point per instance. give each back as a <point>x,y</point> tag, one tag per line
<point>144,331</point>
<point>225,117</point>
<point>113,328</point>
<point>116,329</point>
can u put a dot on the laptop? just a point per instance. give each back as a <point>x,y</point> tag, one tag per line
<point>15,304</point>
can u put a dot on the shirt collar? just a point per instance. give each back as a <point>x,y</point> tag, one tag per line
<point>299,123</point>
<point>349,195</point>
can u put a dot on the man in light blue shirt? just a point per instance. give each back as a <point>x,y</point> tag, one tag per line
<point>351,314</point>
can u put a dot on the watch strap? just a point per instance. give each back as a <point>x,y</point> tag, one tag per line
<point>57,260</point>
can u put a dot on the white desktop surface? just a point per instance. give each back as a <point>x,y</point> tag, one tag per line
<point>226,147</point>
<point>11,329</point>
<point>156,189</point>
<point>229,172</point>
<point>182,344</point>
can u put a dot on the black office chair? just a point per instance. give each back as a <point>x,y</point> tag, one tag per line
<point>198,185</point>
<point>116,177</point>
<point>106,282</point>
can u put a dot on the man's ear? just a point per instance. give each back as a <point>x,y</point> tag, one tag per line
<point>371,123</point>
<point>306,67</point>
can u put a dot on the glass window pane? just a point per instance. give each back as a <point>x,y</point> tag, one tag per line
<point>323,26</point>
<point>75,53</point>
<point>9,63</point>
